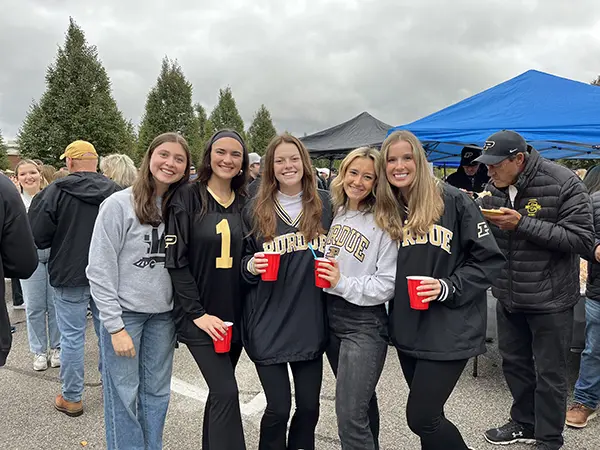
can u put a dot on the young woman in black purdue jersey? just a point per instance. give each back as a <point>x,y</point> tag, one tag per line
<point>284,320</point>
<point>203,251</point>
<point>442,235</point>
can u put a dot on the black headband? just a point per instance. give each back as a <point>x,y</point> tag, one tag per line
<point>230,134</point>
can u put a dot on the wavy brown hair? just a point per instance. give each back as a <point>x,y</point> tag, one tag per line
<point>425,203</point>
<point>265,217</point>
<point>238,183</point>
<point>338,194</point>
<point>144,195</point>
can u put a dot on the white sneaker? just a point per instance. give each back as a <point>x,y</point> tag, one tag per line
<point>55,357</point>
<point>40,362</point>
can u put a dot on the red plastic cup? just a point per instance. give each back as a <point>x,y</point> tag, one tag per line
<point>273,259</point>
<point>225,345</point>
<point>416,302</point>
<point>319,281</point>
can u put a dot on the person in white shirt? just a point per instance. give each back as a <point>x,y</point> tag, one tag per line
<point>362,279</point>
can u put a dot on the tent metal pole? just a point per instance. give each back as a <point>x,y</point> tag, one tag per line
<point>444,171</point>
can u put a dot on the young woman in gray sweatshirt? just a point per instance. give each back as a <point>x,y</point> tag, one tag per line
<point>362,279</point>
<point>133,292</point>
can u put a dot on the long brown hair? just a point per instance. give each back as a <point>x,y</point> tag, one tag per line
<point>23,162</point>
<point>144,195</point>
<point>265,217</point>
<point>424,205</point>
<point>238,183</point>
<point>338,195</point>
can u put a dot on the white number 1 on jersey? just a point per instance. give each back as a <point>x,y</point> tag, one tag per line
<point>225,261</point>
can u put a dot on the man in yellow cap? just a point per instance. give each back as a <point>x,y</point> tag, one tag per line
<point>62,218</point>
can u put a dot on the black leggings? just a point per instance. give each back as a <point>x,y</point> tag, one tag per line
<point>222,427</point>
<point>430,384</point>
<point>276,384</point>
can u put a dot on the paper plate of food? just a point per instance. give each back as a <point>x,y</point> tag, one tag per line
<point>492,212</point>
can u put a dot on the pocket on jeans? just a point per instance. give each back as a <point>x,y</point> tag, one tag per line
<point>73,295</point>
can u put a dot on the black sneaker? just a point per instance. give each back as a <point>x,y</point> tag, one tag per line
<point>511,433</point>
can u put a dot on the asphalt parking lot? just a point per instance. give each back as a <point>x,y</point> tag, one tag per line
<point>30,422</point>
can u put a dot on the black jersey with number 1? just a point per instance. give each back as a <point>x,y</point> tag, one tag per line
<point>210,246</point>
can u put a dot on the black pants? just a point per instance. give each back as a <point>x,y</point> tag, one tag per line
<point>17,293</point>
<point>275,381</point>
<point>539,388</point>
<point>430,384</point>
<point>222,427</point>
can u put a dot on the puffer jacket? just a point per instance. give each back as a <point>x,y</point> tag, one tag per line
<point>593,281</point>
<point>542,269</point>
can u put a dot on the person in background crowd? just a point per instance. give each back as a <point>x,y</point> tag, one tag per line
<point>471,176</point>
<point>17,294</point>
<point>133,292</point>
<point>360,286</point>
<point>42,330</point>
<point>586,397</point>
<point>285,324</point>
<point>254,168</point>
<point>255,184</point>
<point>119,168</point>
<point>18,257</point>
<point>47,173</point>
<point>324,176</point>
<point>193,173</point>
<point>204,253</point>
<point>62,218</point>
<point>59,174</point>
<point>545,221</point>
<point>442,235</point>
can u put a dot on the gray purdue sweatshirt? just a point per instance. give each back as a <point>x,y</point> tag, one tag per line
<point>367,258</point>
<point>126,266</point>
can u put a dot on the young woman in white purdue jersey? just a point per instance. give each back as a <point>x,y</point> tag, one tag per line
<point>442,235</point>
<point>204,252</point>
<point>362,279</point>
<point>285,320</point>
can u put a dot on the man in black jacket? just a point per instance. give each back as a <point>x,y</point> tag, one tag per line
<point>62,218</point>
<point>545,221</point>
<point>18,256</point>
<point>471,176</point>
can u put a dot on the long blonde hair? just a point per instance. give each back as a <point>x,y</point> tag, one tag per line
<point>265,217</point>
<point>119,168</point>
<point>23,162</point>
<point>338,195</point>
<point>425,203</point>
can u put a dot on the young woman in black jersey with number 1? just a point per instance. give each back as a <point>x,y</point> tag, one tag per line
<point>203,252</point>
<point>284,322</point>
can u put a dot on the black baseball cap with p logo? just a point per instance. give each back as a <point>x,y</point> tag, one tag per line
<point>468,155</point>
<point>502,145</point>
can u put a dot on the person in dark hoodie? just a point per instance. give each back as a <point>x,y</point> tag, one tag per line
<point>471,175</point>
<point>62,218</point>
<point>441,235</point>
<point>18,255</point>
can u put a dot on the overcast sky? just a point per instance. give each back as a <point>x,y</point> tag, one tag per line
<point>313,64</point>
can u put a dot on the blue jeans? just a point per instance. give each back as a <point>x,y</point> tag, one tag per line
<point>71,314</point>
<point>358,344</point>
<point>587,388</point>
<point>137,390</point>
<point>39,303</point>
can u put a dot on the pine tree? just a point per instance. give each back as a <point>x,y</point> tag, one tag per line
<point>169,109</point>
<point>261,131</point>
<point>4,163</point>
<point>77,104</point>
<point>596,82</point>
<point>201,118</point>
<point>225,114</point>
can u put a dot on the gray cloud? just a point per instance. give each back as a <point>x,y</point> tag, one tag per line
<point>313,64</point>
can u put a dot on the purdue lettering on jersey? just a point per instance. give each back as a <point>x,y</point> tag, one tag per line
<point>292,242</point>
<point>352,240</point>
<point>437,236</point>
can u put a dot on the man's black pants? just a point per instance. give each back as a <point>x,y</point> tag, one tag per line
<point>534,350</point>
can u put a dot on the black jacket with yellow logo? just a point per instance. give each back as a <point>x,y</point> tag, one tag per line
<point>285,320</point>
<point>541,274</point>
<point>461,251</point>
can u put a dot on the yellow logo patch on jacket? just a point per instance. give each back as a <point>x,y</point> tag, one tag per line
<point>532,207</point>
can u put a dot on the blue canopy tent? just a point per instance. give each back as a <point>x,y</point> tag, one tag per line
<point>557,116</point>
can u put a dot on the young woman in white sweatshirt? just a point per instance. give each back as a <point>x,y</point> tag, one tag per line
<point>133,292</point>
<point>362,277</point>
